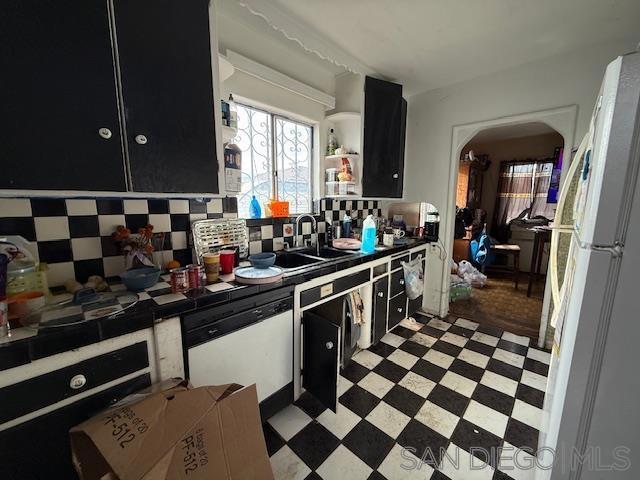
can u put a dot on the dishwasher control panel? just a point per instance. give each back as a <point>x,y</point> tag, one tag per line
<point>218,326</point>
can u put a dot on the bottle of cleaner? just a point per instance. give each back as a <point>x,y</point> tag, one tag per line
<point>254,208</point>
<point>346,226</point>
<point>332,142</point>
<point>368,235</point>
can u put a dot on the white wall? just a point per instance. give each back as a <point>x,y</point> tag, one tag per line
<point>554,82</point>
<point>242,32</point>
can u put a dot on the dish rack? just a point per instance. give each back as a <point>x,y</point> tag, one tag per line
<point>213,235</point>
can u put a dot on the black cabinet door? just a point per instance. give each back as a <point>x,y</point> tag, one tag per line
<point>321,358</point>
<point>397,282</point>
<point>165,63</point>
<point>40,448</point>
<point>414,305</point>
<point>380,294</point>
<point>397,310</point>
<point>383,139</point>
<point>57,91</point>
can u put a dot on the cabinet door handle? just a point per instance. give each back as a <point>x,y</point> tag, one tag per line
<point>395,175</point>
<point>77,382</point>
<point>401,282</point>
<point>399,310</point>
<point>105,133</point>
<point>141,139</point>
<point>212,331</point>
<point>380,294</point>
<point>329,345</point>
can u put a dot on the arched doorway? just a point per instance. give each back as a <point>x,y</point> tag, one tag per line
<point>506,192</point>
<point>563,120</point>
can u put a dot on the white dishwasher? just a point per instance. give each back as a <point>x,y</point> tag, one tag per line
<point>251,346</point>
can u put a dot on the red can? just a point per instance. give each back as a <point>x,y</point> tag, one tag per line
<point>179,280</point>
<point>196,275</point>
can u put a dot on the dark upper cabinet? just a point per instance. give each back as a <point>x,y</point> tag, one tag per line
<point>57,92</point>
<point>107,96</point>
<point>165,65</point>
<point>383,139</point>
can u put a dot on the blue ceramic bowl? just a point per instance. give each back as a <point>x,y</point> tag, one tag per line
<point>262,260</point>
<point>140,278</point>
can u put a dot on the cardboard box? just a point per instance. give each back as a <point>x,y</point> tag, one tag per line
<point>175,433</point>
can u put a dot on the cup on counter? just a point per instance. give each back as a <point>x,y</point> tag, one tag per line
<point>387,239</point>
<point>227,261</point>
<point>398,233</point>
<point>211,266</point>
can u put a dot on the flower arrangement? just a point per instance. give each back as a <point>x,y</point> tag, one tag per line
<point>137,247</point>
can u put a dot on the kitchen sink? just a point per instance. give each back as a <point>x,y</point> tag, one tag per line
<point>290,260</point>
<point>330,253</point>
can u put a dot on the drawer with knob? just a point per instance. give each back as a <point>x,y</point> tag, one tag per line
<point>44,390</point>
<point>397,310</point>
<point>397,283</point>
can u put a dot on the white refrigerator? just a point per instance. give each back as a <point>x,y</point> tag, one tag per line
<point>591,417</point>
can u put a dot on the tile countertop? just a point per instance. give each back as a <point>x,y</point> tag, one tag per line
<point>26,345</point>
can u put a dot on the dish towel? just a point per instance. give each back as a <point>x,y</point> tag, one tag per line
<point>357,308</point>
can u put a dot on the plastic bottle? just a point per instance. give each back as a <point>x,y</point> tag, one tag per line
<point>254,208</point>
<point>346,226</point>
<point>233,113</point>
<point>368,235</point>
<point>332,143</point>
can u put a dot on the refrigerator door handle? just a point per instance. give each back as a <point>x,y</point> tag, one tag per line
<point>556,230</point>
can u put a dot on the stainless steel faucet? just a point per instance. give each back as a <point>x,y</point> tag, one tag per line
<point>314,229</point>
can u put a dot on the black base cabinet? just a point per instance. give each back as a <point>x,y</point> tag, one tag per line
<point>397,310</point>
<point>39,449</point>
<point>380,308</point>
<point>414,305</point>
<point>321,358</point>
<point>107,96</point>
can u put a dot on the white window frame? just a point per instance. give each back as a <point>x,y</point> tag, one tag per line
<point>273,115</point>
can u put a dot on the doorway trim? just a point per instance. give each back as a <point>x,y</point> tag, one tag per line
<point>561,119</point>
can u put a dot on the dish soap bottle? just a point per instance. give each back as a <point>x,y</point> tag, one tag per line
<point>346,226</point>
<point>254,208</point>
<point>368,235</point>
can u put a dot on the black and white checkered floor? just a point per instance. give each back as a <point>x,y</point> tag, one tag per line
<point>432,401</point>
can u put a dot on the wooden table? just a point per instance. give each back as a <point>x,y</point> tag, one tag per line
<point>541,235</point>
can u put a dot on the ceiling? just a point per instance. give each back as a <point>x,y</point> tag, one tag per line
<point>427,44</point>
<point>512,131</point>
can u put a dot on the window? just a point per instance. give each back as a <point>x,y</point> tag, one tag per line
<point>276,159</point>
<point>523,187</point>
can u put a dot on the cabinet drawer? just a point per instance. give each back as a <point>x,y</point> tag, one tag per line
<point>380,269</point>
<point>422,253</point>
<point>397,283</point>
<point>39,392</point>
<point>339,285</point>
<point>397,262</point>
<point>397,310</point>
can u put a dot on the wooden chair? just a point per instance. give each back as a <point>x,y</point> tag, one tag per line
<point>508,249</point>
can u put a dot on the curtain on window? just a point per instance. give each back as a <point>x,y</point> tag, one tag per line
<point>522,188</point>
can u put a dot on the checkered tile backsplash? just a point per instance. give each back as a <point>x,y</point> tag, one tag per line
<point>73,236</point>
<point>334,210</point>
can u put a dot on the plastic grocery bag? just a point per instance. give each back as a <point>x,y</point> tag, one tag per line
<point>413,277</point>
<point>471,275</point>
